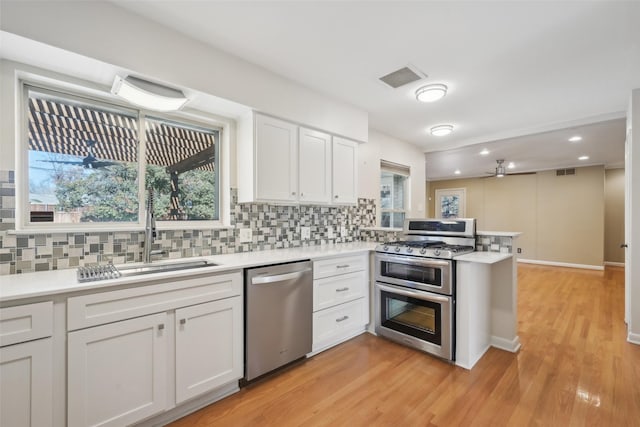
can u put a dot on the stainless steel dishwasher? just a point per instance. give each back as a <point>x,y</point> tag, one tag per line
<point>279,307</point>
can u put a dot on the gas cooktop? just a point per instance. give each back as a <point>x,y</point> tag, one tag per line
<point>433,238</point>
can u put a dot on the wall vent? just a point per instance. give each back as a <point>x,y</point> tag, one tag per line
<point>402,77</point>
<point>562,172</point>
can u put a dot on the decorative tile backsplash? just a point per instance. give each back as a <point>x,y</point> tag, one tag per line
<point>273,227</point>
<point>503,244</point>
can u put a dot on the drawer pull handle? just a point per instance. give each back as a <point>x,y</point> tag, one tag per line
<point>343,266</point>
<point>342,290</point>
<point>342,319</point>
<point>161,326</point>
<point>183,321</point>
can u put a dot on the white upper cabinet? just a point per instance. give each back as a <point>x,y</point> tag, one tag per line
<point>279,161</point>
<point>276,143</point>
<point>315,166</point>
<point>345,171</point>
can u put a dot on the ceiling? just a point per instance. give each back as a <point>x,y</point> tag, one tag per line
<point>521,75</point>
<point>512,68</point>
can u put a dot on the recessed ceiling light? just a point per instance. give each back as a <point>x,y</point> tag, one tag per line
<point>575,138</point>
<point>431,93</point>
<point>484,152</point>
<point>583,158</point>
<point>511,165</point>
<point>457,172</point>
<point>441,130</point>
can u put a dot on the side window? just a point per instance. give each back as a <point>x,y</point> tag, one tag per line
<point>393,194</point>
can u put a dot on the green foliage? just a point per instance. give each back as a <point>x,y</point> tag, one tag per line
<point>107,194</point>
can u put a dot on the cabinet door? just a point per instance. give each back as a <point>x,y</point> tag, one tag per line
<point>209,346</point>
<point>26,389</point>
<point>315,166</point>
<point>345,171</point>
<point>276,151</point>
<point>117,373</point>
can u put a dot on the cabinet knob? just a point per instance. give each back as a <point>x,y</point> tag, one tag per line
<point>183,321</point>
<point>293,193</point>
<point>301,194</point>
<point>161,326</point>
<point>335,197</point>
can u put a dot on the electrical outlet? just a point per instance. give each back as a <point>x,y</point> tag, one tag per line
<point>305,233</point>
<point>343,231</point>
<point>519,250</point>
<point>330,233</point>
<point>246,235</point>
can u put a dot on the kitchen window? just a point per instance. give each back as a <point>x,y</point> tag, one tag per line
<point>87,163</point>
<point>393,194</point>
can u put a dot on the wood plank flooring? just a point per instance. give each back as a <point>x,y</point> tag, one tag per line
<point>575,368</point>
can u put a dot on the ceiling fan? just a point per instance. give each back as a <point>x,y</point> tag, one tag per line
<point>88,162</point>
<point>501,171</point>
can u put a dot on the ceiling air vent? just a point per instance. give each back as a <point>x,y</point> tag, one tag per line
<point>562,172</point>
<point>402,77</point>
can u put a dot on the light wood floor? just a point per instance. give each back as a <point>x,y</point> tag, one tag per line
<point>575,368</point>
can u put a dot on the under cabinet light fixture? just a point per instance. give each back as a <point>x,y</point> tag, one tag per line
<point>431,93</point>
<point>441,130</point>
<point>145,94</point>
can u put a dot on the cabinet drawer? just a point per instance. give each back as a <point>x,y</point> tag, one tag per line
<point>106,307</point>
<point>26,322</point>
<point>333,266</point>
<point>335,290</point>
<point>337,323</point>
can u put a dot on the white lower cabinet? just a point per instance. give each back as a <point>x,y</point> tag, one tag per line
<point>126,371</point>
<point>26,393</point>
<point>208,351</point>
<point>26,365</point>
<point>340,299</point>
<point>117,372</point>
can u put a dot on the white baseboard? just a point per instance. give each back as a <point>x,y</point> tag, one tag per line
<point>614,264</point>
<point>561,264</point>
<point>633,338</point>
<point>512,346</point>
<point>473,361</point>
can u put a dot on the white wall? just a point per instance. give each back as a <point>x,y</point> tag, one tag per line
<point>384,147</point>
<point>632,230</point>
<point>154,51</point>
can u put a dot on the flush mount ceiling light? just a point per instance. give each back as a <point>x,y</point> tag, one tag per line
<point>431,93</point>
<point>457,172</point>
<point>583,158</point>
<point>484,152</point>
<point>148,95</point>
<point>575,138</point>
<point>441,130</point>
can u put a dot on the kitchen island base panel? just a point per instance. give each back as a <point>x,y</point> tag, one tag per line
<point>486,310</point>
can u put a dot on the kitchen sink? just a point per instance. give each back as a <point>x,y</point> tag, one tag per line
<point>110,271</point>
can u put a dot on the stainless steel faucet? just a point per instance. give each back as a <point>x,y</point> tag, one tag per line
<point>150,231</point>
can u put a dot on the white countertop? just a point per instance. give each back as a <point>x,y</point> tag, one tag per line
<point>499,233</point>
<point>49,283</point>
<point>484,257</point>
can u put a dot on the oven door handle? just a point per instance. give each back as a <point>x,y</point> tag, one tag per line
<point>425,262</point>
<point>425,296</point>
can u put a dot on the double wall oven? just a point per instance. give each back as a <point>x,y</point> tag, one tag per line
<point>415,288</point>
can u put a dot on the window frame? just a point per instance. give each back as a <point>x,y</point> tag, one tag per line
<point>89,95</point>
<point>399,170</point>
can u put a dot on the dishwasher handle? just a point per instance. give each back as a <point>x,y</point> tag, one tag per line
<point>262,280</point>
